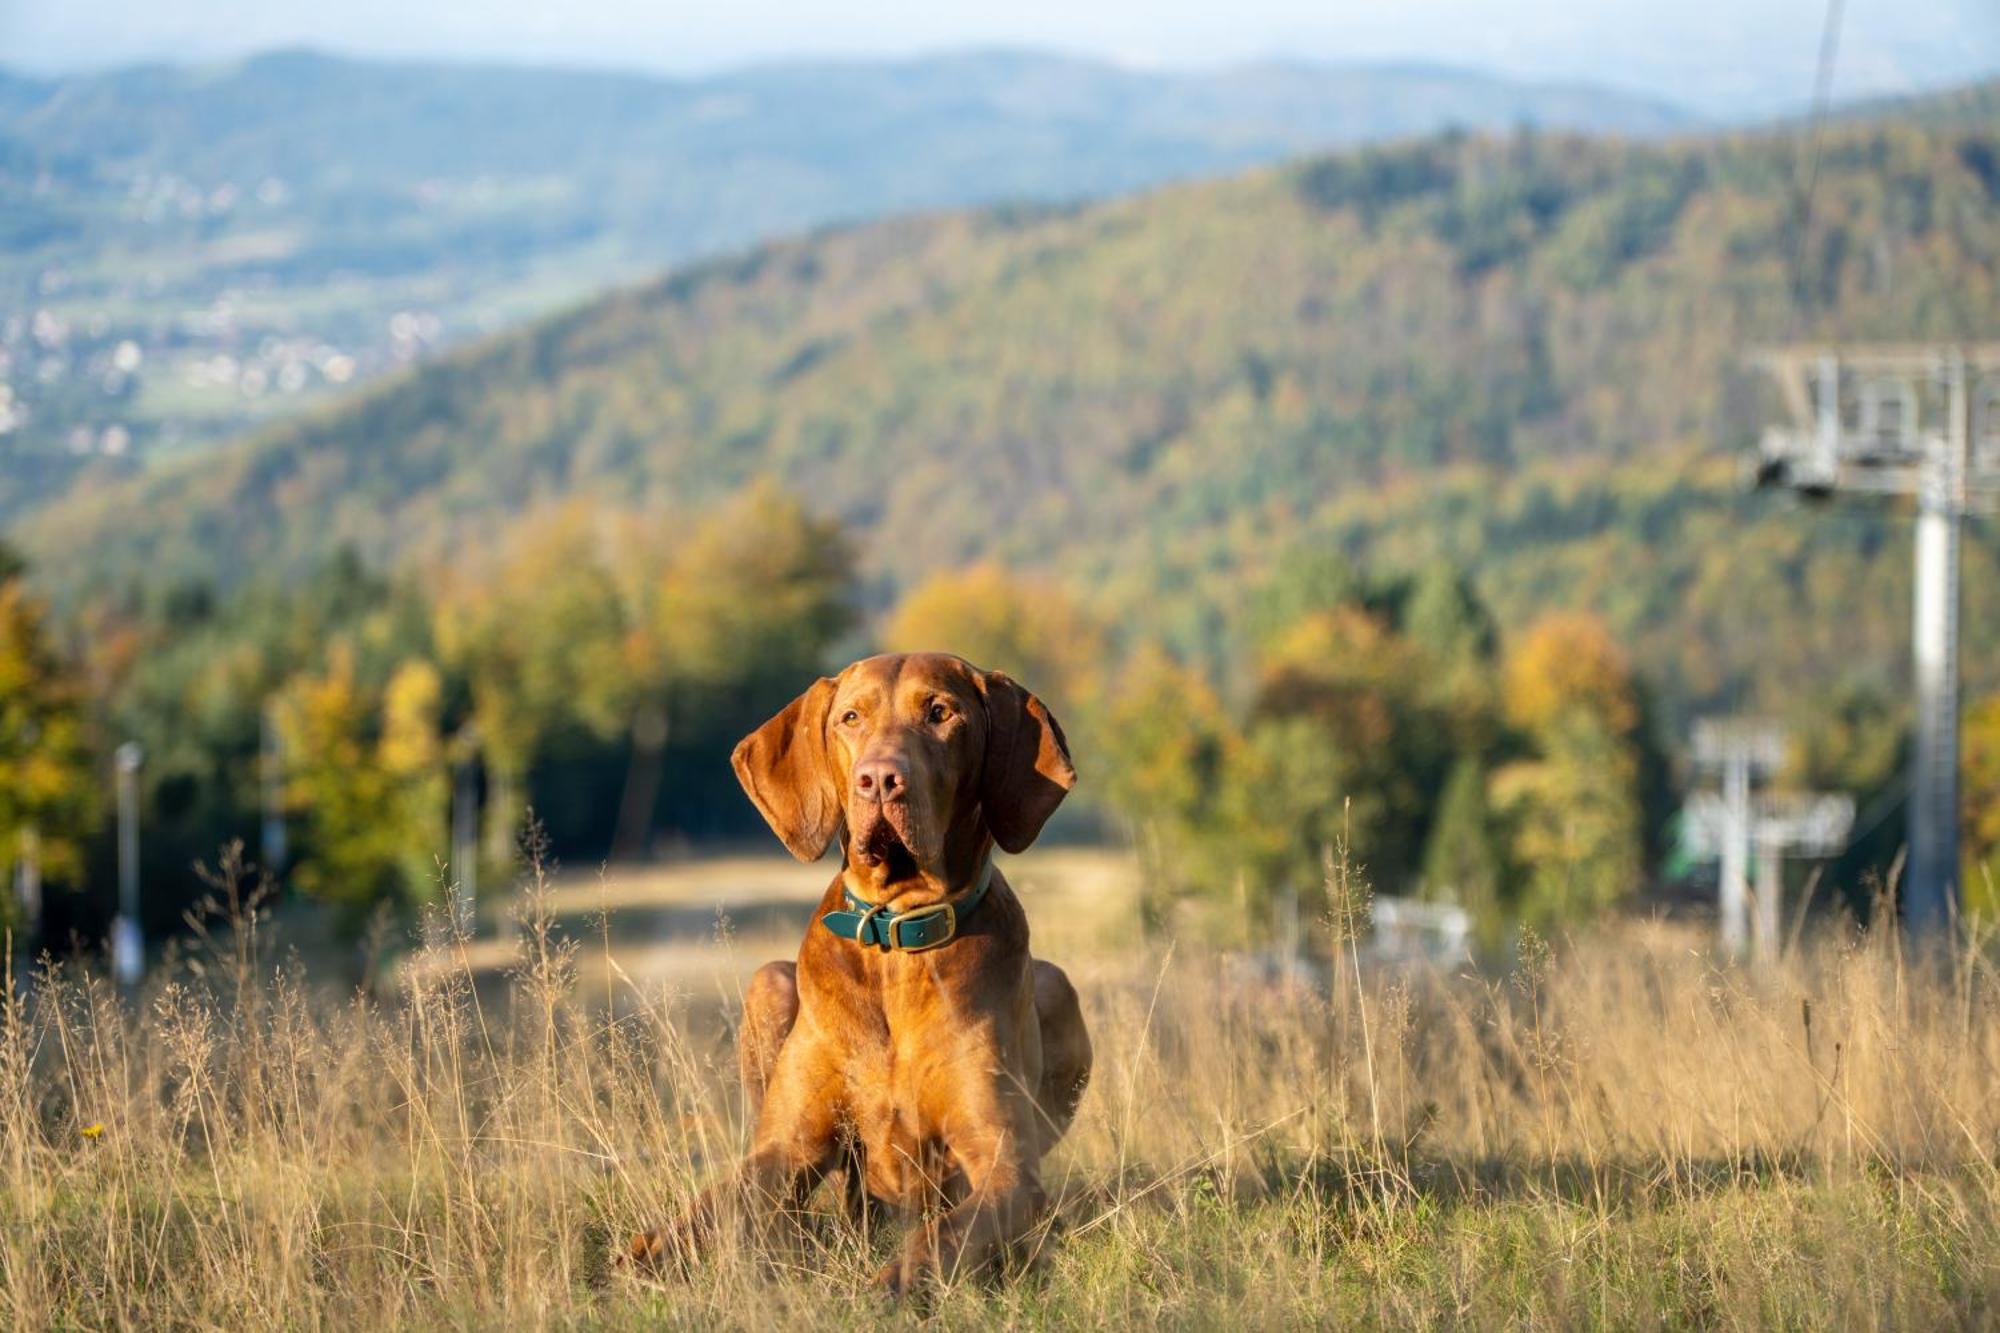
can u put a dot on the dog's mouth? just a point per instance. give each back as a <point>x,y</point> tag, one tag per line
<point>881,848</point>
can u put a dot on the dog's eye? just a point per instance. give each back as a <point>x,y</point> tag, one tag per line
<point>939,713</point>
<point>849,718</point>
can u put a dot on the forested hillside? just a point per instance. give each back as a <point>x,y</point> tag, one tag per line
<point>1522,354</point>
<point>1394,499</point>
<point>186,251</point>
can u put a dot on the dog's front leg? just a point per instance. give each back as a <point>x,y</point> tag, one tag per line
<point>1002,1201</point>
<point>796,1143</point>
<point>768,1187</point>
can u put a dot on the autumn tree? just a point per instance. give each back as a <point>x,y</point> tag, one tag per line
<point>411,755</point>
<point>1980,803</point>
<point>1167,749</point>
<point>1340,749</point>
<point>365,778</point>
<point>725,621</point>
<point>538,633</point>
<point>47,786</point>
<point>1370,723</point>
<point>1573,801</point>
<point>1025,625</point>
<point>758,590</point>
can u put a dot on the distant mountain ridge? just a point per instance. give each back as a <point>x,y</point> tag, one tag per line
<point>545,117</point>
<point>640,159</point>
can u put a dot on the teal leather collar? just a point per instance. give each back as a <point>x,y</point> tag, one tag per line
<point>913,931</point>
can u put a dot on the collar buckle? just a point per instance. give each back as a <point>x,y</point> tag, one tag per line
<point>892,930</point>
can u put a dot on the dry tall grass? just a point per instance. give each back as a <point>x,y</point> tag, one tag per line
<point>1619,1131</point>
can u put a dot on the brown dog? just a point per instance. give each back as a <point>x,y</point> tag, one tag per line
<point>915,1042</point>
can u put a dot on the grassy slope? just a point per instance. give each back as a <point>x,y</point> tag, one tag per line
<point>1524,355</point>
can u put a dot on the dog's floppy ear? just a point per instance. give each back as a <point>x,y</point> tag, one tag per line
<point>785,768</point>
<point>1028,770</point>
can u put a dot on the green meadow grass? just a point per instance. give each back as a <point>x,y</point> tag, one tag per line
<point>1616,1132</point>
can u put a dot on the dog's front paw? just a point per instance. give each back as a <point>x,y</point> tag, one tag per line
<point>896,1280</point>
<point>912,1273</point>
<point>642,1253</point>
<point>657,1253</point>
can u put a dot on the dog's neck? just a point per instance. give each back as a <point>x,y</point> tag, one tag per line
<point>963,863</point>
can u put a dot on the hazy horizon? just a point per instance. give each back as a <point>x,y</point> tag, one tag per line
<point>1709,56</point>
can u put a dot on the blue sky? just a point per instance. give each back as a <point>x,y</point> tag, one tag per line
<point>1723,56</point>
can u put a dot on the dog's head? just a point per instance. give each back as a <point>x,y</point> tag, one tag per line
<point>916,760</point>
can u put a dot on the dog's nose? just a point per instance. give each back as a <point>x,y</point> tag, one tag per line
<point>881,779</point>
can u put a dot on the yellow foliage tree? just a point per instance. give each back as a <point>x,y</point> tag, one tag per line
<point>1166,748</point>
<point>47,789</point>
<point>635,626</point>
<point>539,632</point>
<point>1980,802</point>
<point>1574,805</point>
<point>1023,625</point>
<point>411,753</point>
<point>757,589</point>
<point>1568,664</point>
<point>366,777</point>
<point>1170,731</point>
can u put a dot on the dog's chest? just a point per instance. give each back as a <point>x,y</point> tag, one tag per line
<point>901,1149</point>
<point>906,1159</point>
<point>901,1165</point>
